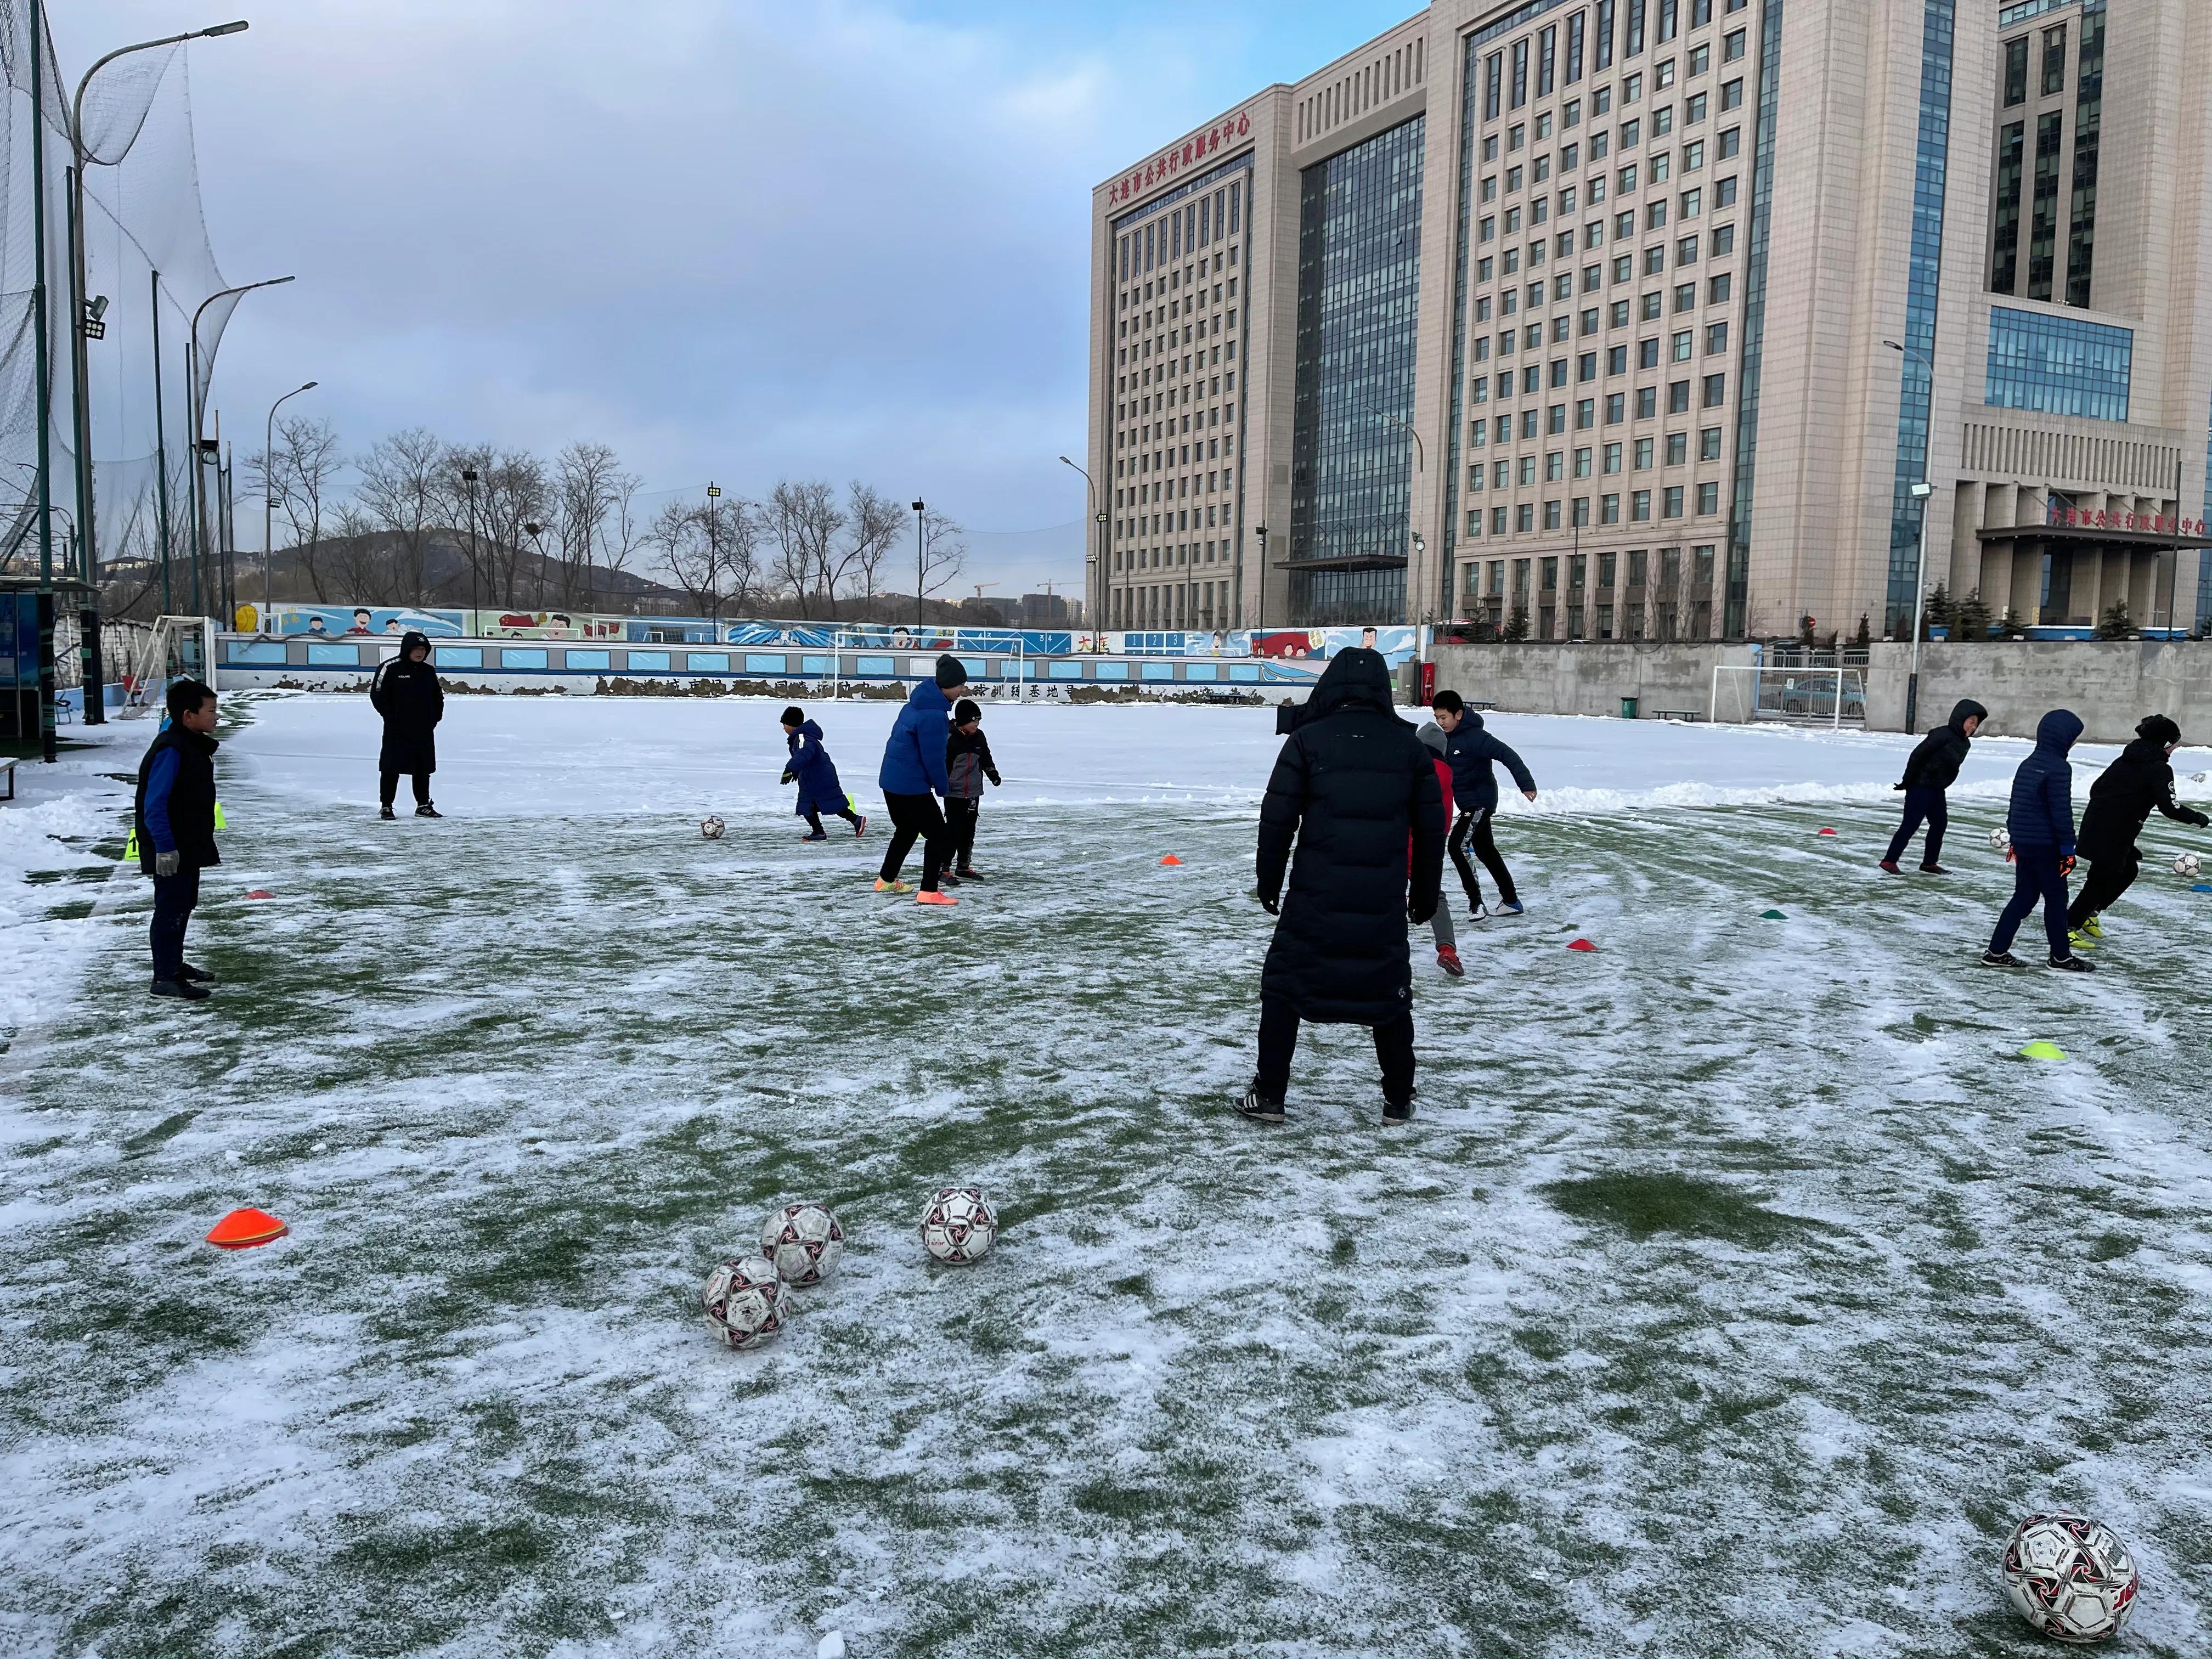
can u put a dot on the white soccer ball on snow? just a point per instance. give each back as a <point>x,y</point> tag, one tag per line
<point>804,1240</point>
<point>2070,1577</point>
<point>959,1226</point>
<point>712,828</point>
<point>746,1300</point>
<point>2001,839</point>
<point>2188,864</point>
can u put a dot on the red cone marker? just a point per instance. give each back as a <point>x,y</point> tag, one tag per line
<point>242,1229</point>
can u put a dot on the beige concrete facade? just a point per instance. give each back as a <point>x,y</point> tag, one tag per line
<point>1607,245</point>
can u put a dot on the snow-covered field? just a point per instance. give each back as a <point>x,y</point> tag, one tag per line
<point>1736,1289</point>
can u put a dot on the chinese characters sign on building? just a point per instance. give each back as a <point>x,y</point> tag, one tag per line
<point>2151,524</point>
<point>1189,153</point>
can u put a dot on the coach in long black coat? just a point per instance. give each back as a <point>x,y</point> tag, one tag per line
<point>1355,791</point>
<point>407,692</point>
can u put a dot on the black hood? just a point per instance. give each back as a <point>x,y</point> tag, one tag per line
<point>2157,729</point>
<point>409,641</point>
<point>1357,675</point>
<point>1968,709</point>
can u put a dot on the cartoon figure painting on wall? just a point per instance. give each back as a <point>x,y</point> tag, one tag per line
<point>1303,643</point>
<point>360,620</point>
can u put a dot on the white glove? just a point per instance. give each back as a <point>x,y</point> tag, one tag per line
<point>165,864</point>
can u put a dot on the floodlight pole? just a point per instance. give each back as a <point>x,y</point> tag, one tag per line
<point>1921,492</point>
<point>160,452</point>
<point>268,506</point>
<point>44,389</point>
<point>199,412</point>
<point>920,570</point>
<point>1091,500</point>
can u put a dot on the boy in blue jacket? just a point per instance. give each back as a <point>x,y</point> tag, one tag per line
<point>914,776</point>
<point>2041,820</point>
<point>815,774</point>
<point>174,823</point>
<point>1470,750</point>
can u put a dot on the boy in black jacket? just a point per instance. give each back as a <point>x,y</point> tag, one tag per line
<point>173,825</point>
<point>2120,802</point>
<point>1932,768</point>
<point>967,764</point>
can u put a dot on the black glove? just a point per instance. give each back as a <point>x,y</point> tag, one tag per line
<point>1421,914</point>
<point>165,864</point>
<point>996,780</point>
<point>1268,903</point>
<point>786,778</point>
<point>2200,820</point>
<point>2066,865</point>
<point>1894,787</point>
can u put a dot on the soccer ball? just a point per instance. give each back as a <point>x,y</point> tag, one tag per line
<point>2188,864</point>
<point>711,827</point>
<point>746,1300</point>
<point>2070,1577</point>
<point>2001,839</point>
<point>959,1226</point>
<point>804,1240</point>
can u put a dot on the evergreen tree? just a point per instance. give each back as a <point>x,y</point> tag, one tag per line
<point>1865,635</point>
<point>1970,620</point>
<point>1805,631</point>
<point>1935,611</point>
<point>1517,628</point>
<point>2013,628</point>
<point>2114,623</point>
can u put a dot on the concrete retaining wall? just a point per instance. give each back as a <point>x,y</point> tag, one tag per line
<point>2110,686</point>
<point>1587,678</point>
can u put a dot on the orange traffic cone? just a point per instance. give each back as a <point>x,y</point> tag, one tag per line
<point>242,1229</point>
<point>260,892</point>
<point>1171,858</point>
<point>1580,945</point>
<point>1827,832</point>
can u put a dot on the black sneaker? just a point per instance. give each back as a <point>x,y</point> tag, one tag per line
<point>385,812</point>
<point>2001,959</point>
<point>969,875</point>
<point>427,810</point>
<point>1933,870</point>
<point>196,976</point>
<point>1399,1112</point>
<point>1257,1107</point>
<point>178,987</point>
<point>2074,964</point>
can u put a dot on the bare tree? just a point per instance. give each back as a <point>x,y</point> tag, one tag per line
<point>804,520</point>
<point>362,557</point>
<point>588,484</point>
<point>712,550</point>
<point>943,555</point>
<point>515,493</point>
<point>297,477</point>
<point>872,523</point>
<point>403,490</point>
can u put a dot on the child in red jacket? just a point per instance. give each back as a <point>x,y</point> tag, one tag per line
<point>1441,924</point>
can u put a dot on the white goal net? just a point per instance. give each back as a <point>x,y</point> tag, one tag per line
<point>1812,696</point>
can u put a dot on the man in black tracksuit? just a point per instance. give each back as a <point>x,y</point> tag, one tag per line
<point>2120,802</point>
<point>1352,783</point>
<point>174,824</point>
<point>407,692</point>
<point>1931,768</point>
<point>967,763</point>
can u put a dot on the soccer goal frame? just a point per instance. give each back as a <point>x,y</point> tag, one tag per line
<point>1745,694</point>
<point>177,647</point>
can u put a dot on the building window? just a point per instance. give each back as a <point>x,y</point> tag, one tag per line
<point>2054,61</point>
<point>1608,511</point>
<point>2088,125</point>
<point>1524,518</point>
<point>1647,403</point>
<point>1671,503</point>
<point>1716,393</point>
<point>1731,143</point>
<point>1732,45</point>
<point>1709,500</point>
<point>1551,522</point>
<point>1683,345</point>
<point>2042,232</point>
<point>1708,444</point>
<point>1732,95</point>
<point>2015,78</point>
<point>1639,507</point>
<point>2059,366</point>
<point>1723,241</point>
<point>1615,409</point>
<point>2004,264</point>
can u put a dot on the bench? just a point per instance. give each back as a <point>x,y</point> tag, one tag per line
<point>1479,705</point>
<point>1676,714</point>
<point>8,766</point>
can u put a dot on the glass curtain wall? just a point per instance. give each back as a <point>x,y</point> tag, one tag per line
<point>1351,446</point>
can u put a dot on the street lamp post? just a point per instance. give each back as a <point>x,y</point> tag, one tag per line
<point>920,568</point>
<point>1921,492</point>
<point>268,512</point>
<point>199,412</point>
<point>1099,589</point>
<point>469,483</point>
<point>714,556</point>
<point>86,323</point>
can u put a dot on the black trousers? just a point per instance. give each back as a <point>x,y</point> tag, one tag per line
<point>916,817</point>
<point>960,815</point>
<point>388,787</point>
<point>2107,879</point>
<point>174,899</point>
<point>2036,879</point>
<point>1279,1041</point>
<point>814,820</point>
<point>1472,828</point>
<point>1922,805</point>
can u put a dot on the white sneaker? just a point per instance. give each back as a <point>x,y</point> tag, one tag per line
<point>1478,913</point>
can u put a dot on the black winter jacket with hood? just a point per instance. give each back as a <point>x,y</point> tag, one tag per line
<point>407,694</point>
<point>1352,782</point>
<point>1934,765</point>
<point>2121,800</point>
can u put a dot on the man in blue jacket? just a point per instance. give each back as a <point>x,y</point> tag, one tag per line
<point>174,826</point>
<point>912,778</point>
<point>2041,821</point>
<point>1470,750</point>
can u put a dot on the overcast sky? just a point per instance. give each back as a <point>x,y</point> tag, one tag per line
<point>735,240</point>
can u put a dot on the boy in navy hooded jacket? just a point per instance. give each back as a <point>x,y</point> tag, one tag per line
<point>2041,821</point>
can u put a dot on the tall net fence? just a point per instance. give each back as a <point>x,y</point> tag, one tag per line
<point>149,268</point>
